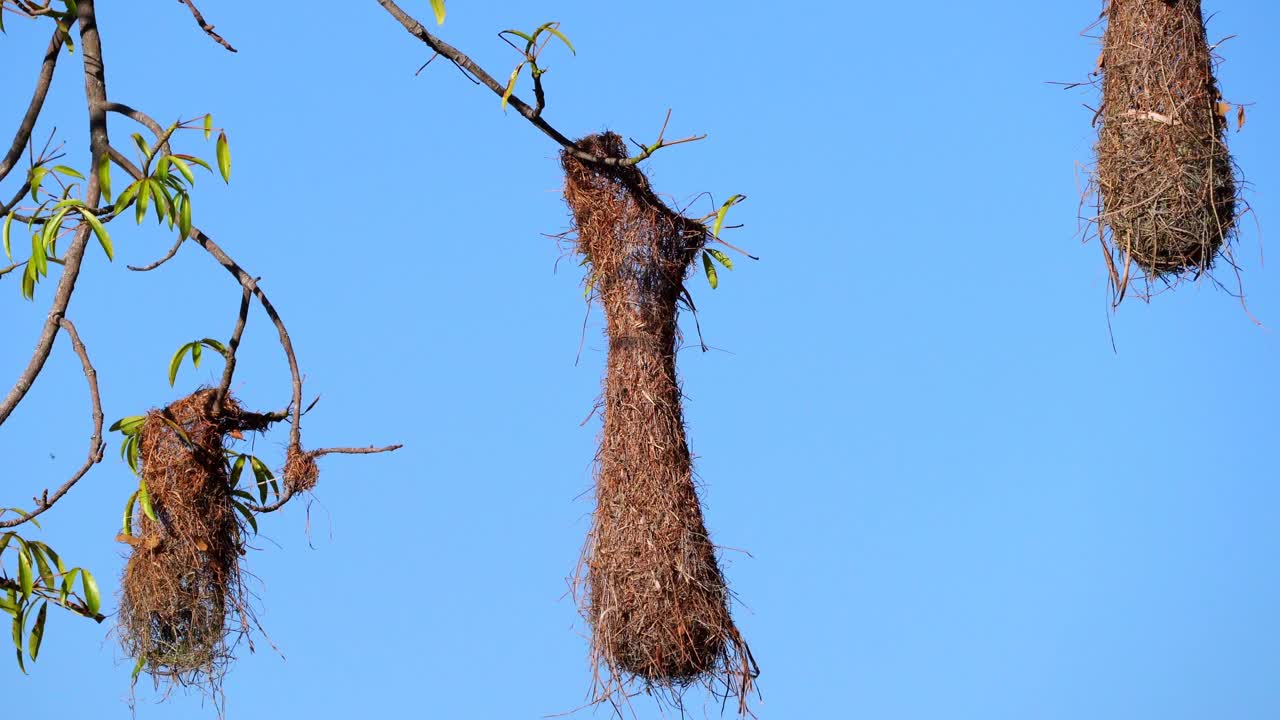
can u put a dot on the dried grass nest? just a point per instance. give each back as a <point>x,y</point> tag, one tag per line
<point>651,586</point>
<point>1165,182</point>
<point>183,594</point>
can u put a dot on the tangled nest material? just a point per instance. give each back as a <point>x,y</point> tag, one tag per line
<point>1164,180</point>
<point>653,593</point>
<point>183,584</point>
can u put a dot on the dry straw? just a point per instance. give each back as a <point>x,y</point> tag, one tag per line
<point>1164,179</point>
<point>183,581</point>
<point>653,591</point>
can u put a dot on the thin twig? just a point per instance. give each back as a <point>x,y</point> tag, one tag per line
<point>206,27</point>
<point>96,446</point>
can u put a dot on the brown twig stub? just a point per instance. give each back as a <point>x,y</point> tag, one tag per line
<point>1165,183</point>
<point>654,593</point>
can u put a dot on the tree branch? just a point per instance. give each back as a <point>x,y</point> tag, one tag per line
<point>78,607</point>
<point>206,27</point>
<point>229,369</point>
<point>532,114</point>
<point>95,88</point>
<point>28,125</point>
<point>96,446</point>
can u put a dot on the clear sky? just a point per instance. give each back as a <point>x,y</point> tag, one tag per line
<point>958,501</point>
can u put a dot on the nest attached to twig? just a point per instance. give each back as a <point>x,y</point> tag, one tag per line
<point>183,582</point>
<point>654,594</point>
<point>1165,182</point>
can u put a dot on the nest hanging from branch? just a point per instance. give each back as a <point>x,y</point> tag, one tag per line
<point>183,582</point>
<point>1165,182</point>
<point>654,594</point>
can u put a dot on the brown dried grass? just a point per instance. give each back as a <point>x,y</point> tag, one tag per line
<point>183,581</point>
<point>653,593</point>
<point>1165,182</point>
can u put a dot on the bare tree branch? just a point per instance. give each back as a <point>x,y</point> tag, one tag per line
<point>45,79</point>
<point>206,27</point>
<point>96,446</point>
<point>229,369</point>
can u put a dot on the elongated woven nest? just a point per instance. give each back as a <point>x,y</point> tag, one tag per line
<point>654,593</point>
<point>1164,179</point>
<point>183,586</point>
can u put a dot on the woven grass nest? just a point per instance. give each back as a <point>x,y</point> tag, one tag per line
<point>1164,180</point>
<point>182,586</point>
<point>653,594</point>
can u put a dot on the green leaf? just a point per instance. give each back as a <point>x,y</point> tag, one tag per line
<point>511,85</point>
<point>215,345</point>
<point>248,515</point>
<point>8,221</point>
<point>37,177</point>
<point>164,202</point>
<point>69,172</point>
<point>8,606</point>
<point>137,668</point>
<point>68,582</point>
<point>128,425</point>
<point>553,28</point>
<point>17,638</point>
<point>712,277</point>
<point>92,598</point>
<point>195,161</point>
<point>38,259</point>
<point>37,631</point>
<point>197,350</point>
<point>144,197</point>
<point>42,565</point>
<point>262,475</point>
<point>131,452</point>
<point>236,469</point>
<point>208,125</point>
<point>724,259</point>
<point>104,177</point>
<point>26,580</point>
<point>183,168</point>
<point>223,152</point>
<point>184,215</point>
<point>176,362</point>
<point>437,6</point>
<point>144,499</point>
<point>723,210</point>
<point>128,513</point>
<point>128,195</point>
<point>100,231</point>
<point>141,142</point>
<point>29,282</point>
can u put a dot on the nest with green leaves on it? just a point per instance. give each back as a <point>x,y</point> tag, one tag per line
<point>1165,182</point>
<point>653,591</point>
<point>183,595</point>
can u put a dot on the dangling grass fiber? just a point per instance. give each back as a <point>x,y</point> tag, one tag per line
<point>1164,180</point>
<point>183,581</point>
<point>652,589</point>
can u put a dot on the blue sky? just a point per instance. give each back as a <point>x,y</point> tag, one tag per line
<point>958,501</point>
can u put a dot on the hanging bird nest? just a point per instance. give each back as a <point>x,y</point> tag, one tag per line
<point>653,592</point>
<point>183,582</point>
<point>1164,180</point>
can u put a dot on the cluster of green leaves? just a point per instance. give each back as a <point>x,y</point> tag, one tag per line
<point>165,188</point>
<point>41,578</point>
<point>531,51</point>
<point>196,348</point>
<point>167,179</point>
<point>708,254</point>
